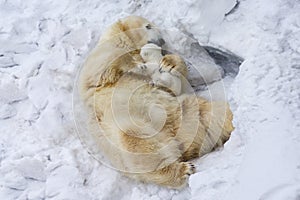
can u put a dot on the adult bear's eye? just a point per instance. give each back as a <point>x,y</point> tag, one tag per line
<point>148,26</point>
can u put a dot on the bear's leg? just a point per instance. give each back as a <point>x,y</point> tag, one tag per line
<point>213,131</point>
<point>174,175</point>
<point>217,120</point>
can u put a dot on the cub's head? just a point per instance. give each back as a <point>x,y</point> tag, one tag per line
<point>151,53</point>
<point>140,31</point>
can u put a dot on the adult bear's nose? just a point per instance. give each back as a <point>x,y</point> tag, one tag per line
<point>161,41</point>
<point>158,42</point>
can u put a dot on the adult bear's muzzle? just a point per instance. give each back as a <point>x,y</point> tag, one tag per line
<point>158,42</point>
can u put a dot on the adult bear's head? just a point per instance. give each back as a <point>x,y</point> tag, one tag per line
<point>141,31</point>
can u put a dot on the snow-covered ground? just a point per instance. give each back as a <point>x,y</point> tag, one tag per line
<point>43,44</point>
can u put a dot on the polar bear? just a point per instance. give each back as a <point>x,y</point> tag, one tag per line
<point>145,131</point>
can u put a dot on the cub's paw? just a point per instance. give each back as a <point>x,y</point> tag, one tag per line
<point>142,67</point>
<point>152,83</point>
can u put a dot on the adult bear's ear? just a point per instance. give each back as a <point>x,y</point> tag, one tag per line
<point>122,26</point>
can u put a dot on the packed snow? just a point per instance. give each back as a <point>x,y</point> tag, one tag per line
<point>43,45</point>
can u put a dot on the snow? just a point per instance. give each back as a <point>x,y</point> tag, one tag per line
<point>42,46</point>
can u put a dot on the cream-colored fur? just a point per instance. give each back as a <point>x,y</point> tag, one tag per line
<point>145,131</point>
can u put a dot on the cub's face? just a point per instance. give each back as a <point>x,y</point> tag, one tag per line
<point>141,31</point>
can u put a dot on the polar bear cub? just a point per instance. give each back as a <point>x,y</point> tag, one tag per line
<point>151,54</point>
<point>169,71</point>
